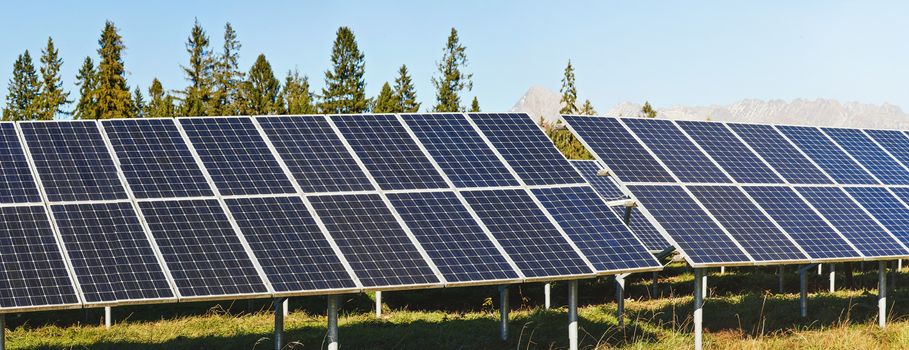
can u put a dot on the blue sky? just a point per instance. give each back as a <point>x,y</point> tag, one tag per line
<point>668,52</point>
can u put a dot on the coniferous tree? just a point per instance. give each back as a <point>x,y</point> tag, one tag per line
<point>386,102</point>
<point>51,97</point>
<point>161,103</point>
<point>647,110</point>
<point>587,109</point>
<point>139,105</point>
<point>87,106</point>
<point>260,90</point>
<point>452,80</point>
<point>227,76</point>
<point>22,98</point>
<point>405,92</point>
<point>565,141</point>
<point>474,105</point>
<point>298,99</point>
<point>111,92</point>
<point>197,96</point>
<point>569,99</point>
<point>345,87</point>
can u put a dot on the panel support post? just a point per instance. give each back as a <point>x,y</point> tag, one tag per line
<point>803,290</point>
<point>573,315</point>
<point>378,304</point>
<point>107,318</point>
<point>286,307</point>
<point>703,285</point>
<point>820,270</point>
<point>722,270</point>
<point>899,265</point>
<point>332,322</point>
<point>832,277</point>
<point>279,322</point>
<point>698,309</point>
<point>2,332</point>
<point>655,285</point>
<point>547,290</point>
<point>882,294</point>
<point>503,312</point>
<point>620,300</point>
<point>780,273</point>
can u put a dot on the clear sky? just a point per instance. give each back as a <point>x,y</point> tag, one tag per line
<point>668,52</point>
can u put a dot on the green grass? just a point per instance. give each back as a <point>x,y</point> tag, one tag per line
<point>741,312</point>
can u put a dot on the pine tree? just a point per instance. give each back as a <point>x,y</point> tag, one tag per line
<point>452,80</point>
<point>345,87</point>
<point>386,102</point>
<point>52,97</point>
<point>22,98</point>
<point>139,105</point>
<point>475,105</point>
<point>227,76</point>
<point>197,96</point>
<point>161,104</point>
<point>112,93</point>
<point>297,97</point>
<point>647,110</point>
<point>587,109</point>
<point>260,90</point>
<point>566,142</point>
<point>405,92</point>
<point>569,99</point>
<point>87,106</point>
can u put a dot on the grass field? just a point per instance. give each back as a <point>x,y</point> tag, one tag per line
<point>743,311</point>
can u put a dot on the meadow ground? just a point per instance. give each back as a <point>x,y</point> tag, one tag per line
<point>743,311</point>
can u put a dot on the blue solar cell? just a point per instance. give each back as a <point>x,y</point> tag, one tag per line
<point>682,157</point>
<point>315,154</point>
<point>16,182</point>
<point>802,223</point>
<point>606,242</point>
<point>886,208</point>
<point>827,155</point>
<point>692,229</point>
<point>110,253</point>
<point>746,223</point>
<point>72,160</point>
<point>290,247</point>
<point>453,239</point>
<point>617,148</point>
<point>859,228</point>
<point>459,150</point>
<point>780,154</point>
<point>393,158</point>
<point>154,158</point>
<point>866,152</point>
<point>529,238</point>
<point>236,156</point>
<point>526,148</point>
<point>727,150</point>
<point>895,142</point>
<point>602,184</point>
<point>643,229</point>
<point>374,243</point>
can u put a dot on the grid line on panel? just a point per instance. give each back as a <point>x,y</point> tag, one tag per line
<point>727,150</point>
<point>618,149</point>
<point>17,185</point>
<point>643,228</point>
<point>895,142</point>
<point>780,154</point>
<point>827,155</point>
<point>870,155</point>
<point>889,209</point>
<point>604,185</point>
<point>672,147</point>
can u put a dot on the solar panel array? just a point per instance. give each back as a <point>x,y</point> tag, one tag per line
<point>100,213</point>
<point>731,193</point>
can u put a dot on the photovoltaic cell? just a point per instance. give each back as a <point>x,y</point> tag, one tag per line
<point>524,231</point>
<point>886,208</point>
<point>682,157</point>
<point>894,142</point>
<point>110,252</point>
<point>155,159</point>
<point>691,228</point>
<point>453,239</point>
<point>827,155</point>
<point>606,242</point>
<point>602,184</point>
<point>374,243</point>
<point>643,229</point>
<point>746,223</point>
<point>802,223</point>
<point>16,182</point>
<point>727,150</point>
<point>459,150</point>
<point>860,229</point>
<point>314,154</point>
<point>780,154</point>
<point>618,149</point>
<point>866,152</point>
<point>526,148</point>
<point>289,245</point>
<point>236,156</point>
<point>201,249</point>
<point>72,161</point>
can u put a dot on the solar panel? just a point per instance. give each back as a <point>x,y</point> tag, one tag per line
<point>393,158</point>
<point>236,156</point>
<point>866,152</point>
<point>374,243</point>
<point>110,253</point>
<point>780,154</point>
<point>727,150</point>
<point>16,182</point>
<point>201,249</point>
<point>802,223</point>
<point>315,154</point>
<point>453,239</point>
<point>606,242</point>
<point>459,150</point>
<point>827,155</point>
<point>618,149</point>
<point>72,161</point>
<point>602,184</point>
<point>155,160</point>
<point>692,229</point>
<point>894,142</point>
<point>32,271</point>
<point>745,222</point>
<point>682,157</point>
<point>643,229</point>
<point>844,214</point>
<point>885,207</point>
<point>526,234</point>
<point>526,148</point>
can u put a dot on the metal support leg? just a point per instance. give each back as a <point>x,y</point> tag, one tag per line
<point>803,292</point>
<point>2,332</point>
<point>703,285</point>
<point>573,315</point>
<point>285,306</point>
<point>832,278</point>
<point>722,270</point>
<point>107,318</point>
<point>820,270</point>
<point>378,304</point>
<point>332,322</point>
<point>698,309</point>
<point>620,300</point>
<point>882,294</point>
<point>780,273</point>
<point>279,323</point>
<point>547,290</point>
<point>503,312</point>
<point>899,265</point>
<point>655,285</point>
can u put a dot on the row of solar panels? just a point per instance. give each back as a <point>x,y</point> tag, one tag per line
<point>730,193</point>
<point>96,213</point>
